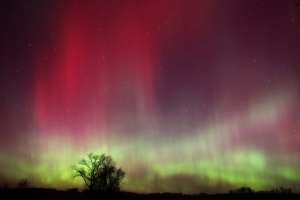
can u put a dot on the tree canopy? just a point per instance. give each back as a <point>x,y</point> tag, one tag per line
<point>99,172</point>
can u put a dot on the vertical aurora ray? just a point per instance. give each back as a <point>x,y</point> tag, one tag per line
<point>185,96</point>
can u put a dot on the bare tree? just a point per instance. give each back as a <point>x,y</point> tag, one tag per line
<point>23,183</point>
<point>115,180</point>
<point>87,170</point>
<point>110,178</point>
<point>99,172</point>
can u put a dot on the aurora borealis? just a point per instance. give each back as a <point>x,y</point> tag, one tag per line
<point>186,95</point>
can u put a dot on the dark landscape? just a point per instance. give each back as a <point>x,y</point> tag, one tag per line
<point>53,194</point>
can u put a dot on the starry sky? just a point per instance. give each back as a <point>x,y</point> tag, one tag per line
<point>186,95</point>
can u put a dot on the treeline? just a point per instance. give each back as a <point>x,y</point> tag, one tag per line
<point>248,193</point>
<point>248,190</point>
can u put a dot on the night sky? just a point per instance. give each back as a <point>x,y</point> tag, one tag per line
<point>186,95</point>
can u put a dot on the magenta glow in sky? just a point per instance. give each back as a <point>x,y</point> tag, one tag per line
<point>186,96</point>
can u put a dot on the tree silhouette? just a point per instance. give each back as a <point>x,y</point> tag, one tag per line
<point>242,190</point>
<point>282,190</point>
<point>23,183</point>
<point>99,172</point>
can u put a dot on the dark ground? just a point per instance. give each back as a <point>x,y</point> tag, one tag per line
<point>53,194</point>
